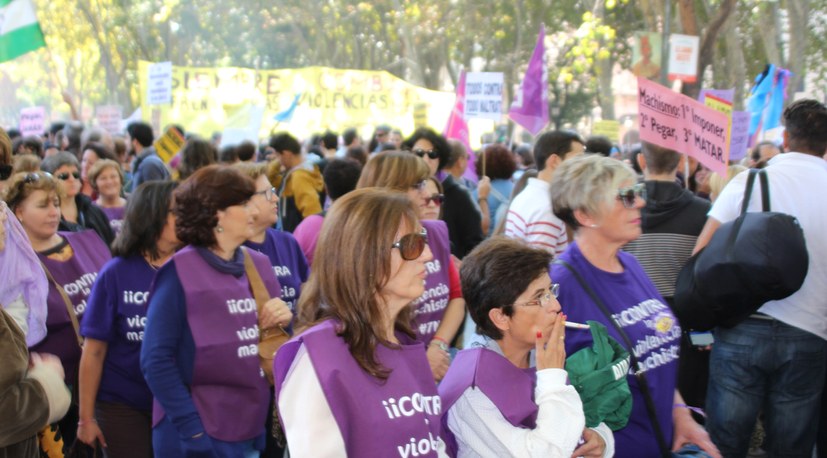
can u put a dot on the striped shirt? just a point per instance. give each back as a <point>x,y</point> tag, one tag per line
<point>662,256</point>
<point>530,219</point>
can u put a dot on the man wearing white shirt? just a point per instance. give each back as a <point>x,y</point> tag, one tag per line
<point>529,216</point>
<point>775,360</point>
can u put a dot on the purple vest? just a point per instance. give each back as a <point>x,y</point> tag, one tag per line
<point>228,386</point>
<point>430,307</point>
<point>396,417</point>
<point>510,388</point>
<point>115,216</point>
<point>76,276</point>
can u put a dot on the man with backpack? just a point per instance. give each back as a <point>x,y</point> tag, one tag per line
<point>774,361</point>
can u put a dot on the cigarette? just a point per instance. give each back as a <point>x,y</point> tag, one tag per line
<point>573,325</point>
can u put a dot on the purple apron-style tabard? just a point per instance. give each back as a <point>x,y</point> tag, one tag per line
<point>228,386</point>
<point>430,306</point>
<point>76,275</point>
<point>397,417</point>
<point>288,263</point>
<point>115,216</point>
<point>508,387</point>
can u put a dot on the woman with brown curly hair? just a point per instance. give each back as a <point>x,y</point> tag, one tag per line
<point>357,383</point>
<point>200,349</point>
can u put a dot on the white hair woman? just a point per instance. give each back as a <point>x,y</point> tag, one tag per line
<point>600,199</point>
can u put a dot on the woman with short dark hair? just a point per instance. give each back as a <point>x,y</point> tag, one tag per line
<point>115,402</point>
<point>343,384</point>
<point>509,396</point>
<point>200,351</point>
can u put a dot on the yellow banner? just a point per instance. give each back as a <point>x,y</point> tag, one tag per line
<point>719,104</point>
<point>608,128</point>
<point>302,101</point>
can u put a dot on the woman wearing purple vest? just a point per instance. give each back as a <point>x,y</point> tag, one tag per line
<point>439,311</point>
<point>72,261</point>
<point>106,179</point>
<point>115,402</point>
<point>356,382</point>
<point>200,350</point>
<point>280,247</point>
<point>601,200</point>
<point>509,396</point>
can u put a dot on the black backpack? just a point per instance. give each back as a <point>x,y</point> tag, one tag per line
<point>756,258</point>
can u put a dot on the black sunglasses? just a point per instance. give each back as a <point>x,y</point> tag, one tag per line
<point>412,245</point>
<point>431,153</point>
<point>627,195</point>
<point>65,175</point>
<point>5,171</point>
<point>438,199</point>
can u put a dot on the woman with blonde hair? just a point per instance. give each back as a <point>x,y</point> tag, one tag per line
<point>345,386</point>
<point>600,199</point>
<point>439,312</point>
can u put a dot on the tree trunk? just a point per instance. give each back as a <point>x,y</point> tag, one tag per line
<point>689,22</point>
<point>798,13</point>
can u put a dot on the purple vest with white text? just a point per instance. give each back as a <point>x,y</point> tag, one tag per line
<point>228,387</point>
<point>76,276</point>
<point>510,388</point>
<point>399,417</point>
<point>430,307</point>
<point>115,216</point>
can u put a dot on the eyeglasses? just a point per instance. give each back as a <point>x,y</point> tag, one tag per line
<point>627,195</point>
<point>34,176</point>
<point>412,245</point>
<point>267,193</point>
<point>544,299</point>
<point>431,153</point>
<point>5,171</point>
<point>437,199</point>
<point>65,175</point>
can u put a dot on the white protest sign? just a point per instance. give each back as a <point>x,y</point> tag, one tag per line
<point>32,121</point>
<point>109,117</point>
<point>683,57</point>
<point>677,122</point>
<point>159,87</point>
<point>484,95</point>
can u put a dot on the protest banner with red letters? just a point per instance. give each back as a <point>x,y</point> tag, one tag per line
<point>675,121</point>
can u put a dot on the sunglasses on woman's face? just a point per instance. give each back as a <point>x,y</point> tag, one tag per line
<point>5,172</point>
<point>422,152</point>
<point>437,199</point>
<point>627,196</point>
<point>412,245</point>
<point>65,175</point>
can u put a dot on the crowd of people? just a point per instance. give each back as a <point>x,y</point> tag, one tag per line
<point>418,309</point>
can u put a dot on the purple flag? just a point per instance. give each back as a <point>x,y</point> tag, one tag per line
<point>530,106</point>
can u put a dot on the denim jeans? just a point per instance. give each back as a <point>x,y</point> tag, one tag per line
<point>765,365</point>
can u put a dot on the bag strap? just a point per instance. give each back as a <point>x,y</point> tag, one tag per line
<point>639,374</point>
<point>256,284</point>
<point>69,308</point>
<point>748,190</point>
<point>765,190</point>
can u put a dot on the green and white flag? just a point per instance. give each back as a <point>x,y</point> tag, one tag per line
<point>19,30</point>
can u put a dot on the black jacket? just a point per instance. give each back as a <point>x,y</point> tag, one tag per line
<point>462,217</point>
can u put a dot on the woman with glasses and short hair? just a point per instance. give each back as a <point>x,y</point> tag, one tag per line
<point>600,199</point>
<point>440,310</point>
<point>509,396</point>
<point>434,199</point>
<point>71,260</point>
<point>76,210</point>
<point>357,382</point>
<point>281,247</point>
